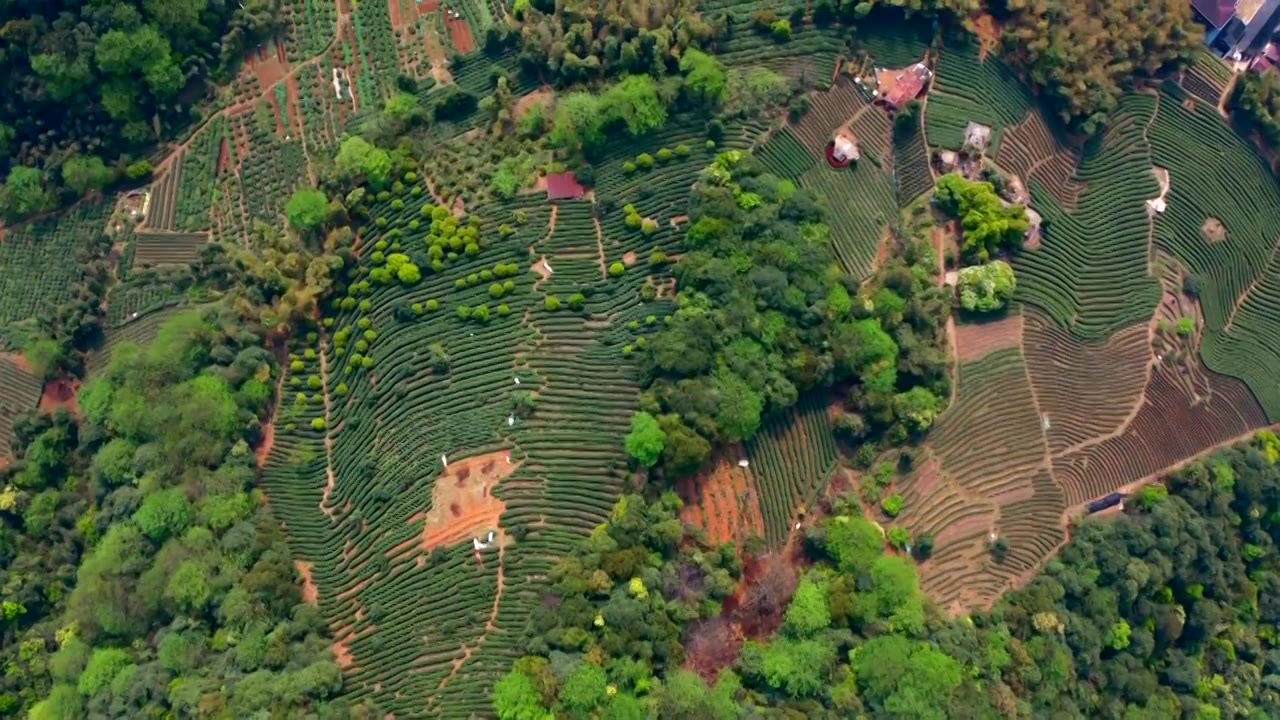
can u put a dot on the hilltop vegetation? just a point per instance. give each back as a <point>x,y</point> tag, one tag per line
<point>132,69</point>
<point>545,360</point>
<point>1161,612</point>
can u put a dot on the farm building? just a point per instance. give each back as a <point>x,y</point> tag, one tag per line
<point>908,84</point>
<point>564,186</point>
<point>1237,29</point>
<point>843,149</point>
<point>977,136</point>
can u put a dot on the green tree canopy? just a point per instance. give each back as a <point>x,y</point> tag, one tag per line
<point>307,209</point>
<point>986,287</point>
<point>646,440</point>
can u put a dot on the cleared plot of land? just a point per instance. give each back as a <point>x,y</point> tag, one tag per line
<point>1085,389</point>
<point>976,340</point>
<point>722,499</point>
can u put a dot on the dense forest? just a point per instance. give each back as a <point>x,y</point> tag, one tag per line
<point>185,600</point>
<point>1165,611</point>
<point>133,70</point>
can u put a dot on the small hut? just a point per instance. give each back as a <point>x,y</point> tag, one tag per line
<point>843,149</point>
<point>977,137</point>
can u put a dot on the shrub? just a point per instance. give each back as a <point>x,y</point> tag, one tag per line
<point>984,288</point>
<point>577,301</point>
<point>341,389</point>
<point>781,30</point>
<point>495,291</point>
<point>628,167</point>
<point>644,161</point>
<point>433,304</point>
<point>899,537</point>
<point>348,303</point>
<point>664,155</point>
<point>552,302</point>
<point>648,226</point>
<point>503,310</point>
<point>616,269</point>
<point>366,305</point>
<point>892,505</point>
<point>296,366</point>
<point>318,424</point>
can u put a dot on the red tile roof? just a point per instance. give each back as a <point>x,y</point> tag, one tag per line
<point>564,186</point>
<point>1216,12</point>
<point>908,85</point>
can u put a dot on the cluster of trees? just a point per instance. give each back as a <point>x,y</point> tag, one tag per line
<point>581,40</point>
<point>1167,610</point>
<point>765,314</point>
<point>1255,105</point>
<point>1083,60</point>
<point>142,574</point>
<point>894,351</point>
<point>987,287</point>
<point>989,224</point>
<point>609,632</point>
<point>87,87</point>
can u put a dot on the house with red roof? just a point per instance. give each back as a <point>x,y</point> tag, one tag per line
<point>564,186</point>
<point>907,86</point>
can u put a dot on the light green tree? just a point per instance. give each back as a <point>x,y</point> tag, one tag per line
<point>646,440</point>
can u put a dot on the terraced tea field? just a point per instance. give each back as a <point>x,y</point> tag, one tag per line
<point>439,445</point>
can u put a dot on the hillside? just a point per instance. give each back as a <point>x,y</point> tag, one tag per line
<point>679,358</point>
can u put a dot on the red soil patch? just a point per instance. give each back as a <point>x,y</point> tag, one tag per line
<point>294,97</point>
<point>466,490</point>
<point>722,499</point>
<point>976,340</point>
<point>309,592</point>
<point>342,653</point>
<point>629,258</point>
<point>984,26</point>
<point>18,360</point>
<point>397,14</point>
<point>268,66</point>
<point>460,35</point>
<point>541,267</point>
<point>426,7</point>
<point>60,393</point>
<point>542,96</point>
<point>754,611</point>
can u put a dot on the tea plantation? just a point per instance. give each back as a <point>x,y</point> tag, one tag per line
<point>450,409</point>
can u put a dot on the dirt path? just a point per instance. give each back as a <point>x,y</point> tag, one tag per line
<point>269,427</point>
<point>310,594</point>
<point>342,19</point>
<point>604,270</point>
<point>489,626</point>
<point>331,479</point>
